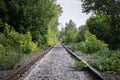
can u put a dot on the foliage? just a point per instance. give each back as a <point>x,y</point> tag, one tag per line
<point>30,16</point>
<point>99,26</point>
<point>111,10</point>
<point>75,47</point>
<point>9,58</point>
<point>79,65</point>
<point>101,53</point>
<point>14,39</point>
<point>61,34</point>
<point>23,22</point>
<point>52,36</point>
<point>91,44</point>
<point>70,26</point>
<point>13,46</point>
<point>80,35</point>
<point>109,62</point>
<point>70,32</point>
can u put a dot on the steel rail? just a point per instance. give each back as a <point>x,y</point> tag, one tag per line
<point>15,73</point>
<point>94,71</point>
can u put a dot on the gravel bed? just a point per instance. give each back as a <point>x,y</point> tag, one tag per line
<point>3,73</point>
<point>56,65</point>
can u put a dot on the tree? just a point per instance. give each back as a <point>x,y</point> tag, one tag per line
<point>33,16</point>
<point>52,34</point>
<point>81,32</point>
<point>62,33</point>
<point>70,26</point>
<point>111,9</point>
<point>99,26</point>
<point>70,32</point>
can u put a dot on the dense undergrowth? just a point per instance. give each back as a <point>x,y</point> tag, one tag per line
<point>14,47</point>
<point>25,27</point>
<point>90,45</point>
<point>107,60</point>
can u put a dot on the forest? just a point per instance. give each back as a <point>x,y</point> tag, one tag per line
<point>25,27</point>
<point>99,38</point>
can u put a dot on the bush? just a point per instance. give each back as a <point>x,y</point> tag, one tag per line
<point>109,63</point>
<point>74,47</point>
<point>26,43</point>
<point>13,46</point>
<point>16,40</point>
<point>91,44</point>
<point>29,47</point>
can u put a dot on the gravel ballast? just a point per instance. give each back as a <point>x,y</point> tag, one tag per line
<point>57,65</point>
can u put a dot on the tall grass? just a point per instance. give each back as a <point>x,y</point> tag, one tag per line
<point>9,58</point>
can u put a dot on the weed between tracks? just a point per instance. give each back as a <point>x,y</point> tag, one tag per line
<point>79,65</point>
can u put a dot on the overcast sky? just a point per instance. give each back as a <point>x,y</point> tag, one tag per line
<point>72,9</point>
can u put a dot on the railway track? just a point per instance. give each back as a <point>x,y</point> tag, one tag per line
<point>16,73</point>
<point>56,65</point>
<point>93,71</point>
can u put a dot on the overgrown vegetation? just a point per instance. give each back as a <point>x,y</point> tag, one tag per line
<point>108,61</point>
<point>91,44</point>
<point>9,58</point>
<point>79,65</point>
<point>24,26</point>
<point>99,26</point>
<point>105,25</point>
<point>14,46</point>
<point>68,34</point>
<point>110,10</point>
<point>99,37</point>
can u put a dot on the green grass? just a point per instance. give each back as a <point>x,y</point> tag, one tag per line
<point>79,65</point>
<point>108,61</point>
<point>9,58</point>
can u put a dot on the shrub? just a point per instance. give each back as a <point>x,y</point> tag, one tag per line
<point>13,46</point>
<point>16,40</point>
<point>74,47</point>
<point>29,47</point>
<point>26,43</point>
<point>110,63</point>
<point>91,44</point>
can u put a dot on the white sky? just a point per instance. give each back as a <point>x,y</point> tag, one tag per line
<point>72,9</point>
